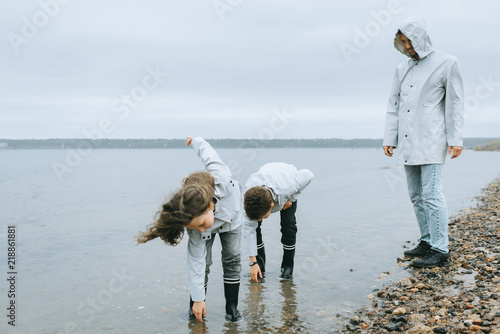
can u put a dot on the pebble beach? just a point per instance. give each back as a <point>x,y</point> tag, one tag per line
<point>459,297</point>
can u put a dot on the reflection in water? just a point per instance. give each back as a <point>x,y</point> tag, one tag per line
<point>260,320</point>
<point>196,327</point>
<point>232,327</point>
<point>289,316</point>
<point>254,311</point>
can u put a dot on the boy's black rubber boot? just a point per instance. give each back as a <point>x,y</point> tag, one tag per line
<point>231,292</point>
<point>421,250</point>
<point>432,259</point>
<point>287,264</point>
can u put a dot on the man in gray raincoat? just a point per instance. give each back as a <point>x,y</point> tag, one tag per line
<point>424,121</point>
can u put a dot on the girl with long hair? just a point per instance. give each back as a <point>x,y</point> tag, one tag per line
<point>208,203</point>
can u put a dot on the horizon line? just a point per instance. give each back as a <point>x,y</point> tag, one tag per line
<point>260,139</point>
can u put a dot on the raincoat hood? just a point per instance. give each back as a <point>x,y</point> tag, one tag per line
<point>414,28</point>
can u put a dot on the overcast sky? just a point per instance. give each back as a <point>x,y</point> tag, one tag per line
<point>228,68</point>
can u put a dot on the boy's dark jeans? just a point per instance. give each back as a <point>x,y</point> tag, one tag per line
<point>289,226</point>
<point>288,237</point>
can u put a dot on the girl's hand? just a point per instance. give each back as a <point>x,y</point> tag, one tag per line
<point>199,310</point>
<point>189,140</point>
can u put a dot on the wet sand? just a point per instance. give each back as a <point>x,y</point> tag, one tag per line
<point>460,297</point>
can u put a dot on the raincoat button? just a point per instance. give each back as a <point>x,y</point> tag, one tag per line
<point>408,110</point>
<point>406,135</point>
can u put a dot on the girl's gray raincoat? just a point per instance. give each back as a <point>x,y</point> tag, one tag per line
<point>227,215</point>
<point>425,108</point>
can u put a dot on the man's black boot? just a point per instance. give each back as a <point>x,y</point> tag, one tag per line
<point>432,259</point>
<point>287,263</point>
<point>231,292</point>
<point>421,250</point>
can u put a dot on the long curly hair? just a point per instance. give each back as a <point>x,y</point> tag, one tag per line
<point>190,201</point>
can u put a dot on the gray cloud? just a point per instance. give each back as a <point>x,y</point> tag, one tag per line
<point>226,76</point>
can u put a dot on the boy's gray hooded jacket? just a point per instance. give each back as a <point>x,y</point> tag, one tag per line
<point>284,182</point>
<point>425,108</point>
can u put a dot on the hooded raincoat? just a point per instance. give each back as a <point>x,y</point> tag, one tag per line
<point>425,108</point>
<point>228,216</point>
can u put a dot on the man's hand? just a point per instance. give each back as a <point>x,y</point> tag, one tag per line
<point>454,151</point>
<point>189,140</point>
<point>287,205</point>
<point>199,310</point>
<point>255,272</point>
<point>388,150</point>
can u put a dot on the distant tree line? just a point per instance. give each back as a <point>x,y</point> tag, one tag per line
<point>489,146</point>
<point>217,143</point>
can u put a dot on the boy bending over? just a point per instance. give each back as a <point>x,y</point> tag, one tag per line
<point>273,188</point>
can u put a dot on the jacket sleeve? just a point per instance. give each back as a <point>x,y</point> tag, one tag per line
<point>213,164</point>
<point>392,114</point>
<point>454,106</point>
<point>304,177</point>
<point>250,231</point>
<point>196,266</point>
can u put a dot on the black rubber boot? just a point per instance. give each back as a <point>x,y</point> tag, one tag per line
<point>231,292</point>
<point>287,264</point>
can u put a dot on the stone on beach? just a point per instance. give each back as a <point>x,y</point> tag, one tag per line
<point>459,297</point>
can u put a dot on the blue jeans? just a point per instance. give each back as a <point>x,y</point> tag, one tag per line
<point>425,187</point>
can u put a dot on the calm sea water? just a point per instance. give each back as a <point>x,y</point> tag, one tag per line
<point>80,271</point>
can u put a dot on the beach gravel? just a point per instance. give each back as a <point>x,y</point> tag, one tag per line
<point>459,297</point>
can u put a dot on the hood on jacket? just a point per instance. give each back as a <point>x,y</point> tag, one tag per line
<point>414,28</point>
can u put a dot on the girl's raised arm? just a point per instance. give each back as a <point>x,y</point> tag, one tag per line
<point>212,161</point>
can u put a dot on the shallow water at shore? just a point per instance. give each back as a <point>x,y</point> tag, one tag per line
<point>80,271</point>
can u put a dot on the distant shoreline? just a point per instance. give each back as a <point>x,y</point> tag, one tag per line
<point>73,143</point>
